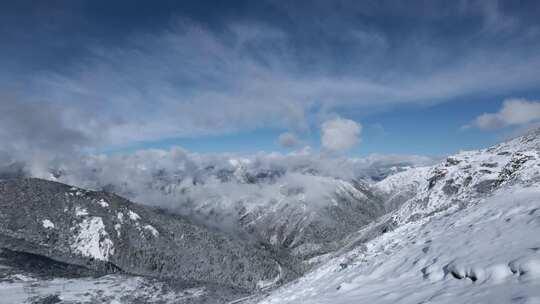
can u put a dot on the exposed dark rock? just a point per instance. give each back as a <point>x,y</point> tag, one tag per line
<point>450,188</point>
<point>450,161</point>
<point>438,174</point>
<point>490,165</point>
<point>486,186</point>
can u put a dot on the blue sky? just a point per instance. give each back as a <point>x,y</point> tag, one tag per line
<point>388,132</point>
<point>233,76</point>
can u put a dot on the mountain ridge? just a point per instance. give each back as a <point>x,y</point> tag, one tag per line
<point>464,230</point>
<point>105,232</point>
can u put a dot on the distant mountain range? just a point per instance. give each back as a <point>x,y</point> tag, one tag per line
<point>235,227</point>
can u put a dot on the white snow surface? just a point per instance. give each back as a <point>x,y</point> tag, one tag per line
<point>133,216</point>
<point>47,224</point>
<point>107,289</point>
<point>79,211</point>
<point>486,253</point>
<point>412,176</point>
<point>118,229</point>
<point>152,230</point>
<point>103,203</point>
<point>92,240</point>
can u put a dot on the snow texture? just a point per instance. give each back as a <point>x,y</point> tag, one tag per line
<point>92,240</point>
<point>79,211</point>
<point>151,229</point>
<point>103,203</point>
<point>488,253</point>
<point>47,224</point>
<point>133,216</point>
<point>107,289</point>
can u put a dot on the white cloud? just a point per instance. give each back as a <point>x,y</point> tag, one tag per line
<point>339,135</point>
<point>289,140</point>
<point>198,185</point>
<point>188,81</point>
<point>514,112</point>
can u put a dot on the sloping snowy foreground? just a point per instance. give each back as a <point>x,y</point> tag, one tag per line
<point>113,289</point>
<point>486,253</point>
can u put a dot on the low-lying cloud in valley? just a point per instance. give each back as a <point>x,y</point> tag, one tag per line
<point>200,185</point>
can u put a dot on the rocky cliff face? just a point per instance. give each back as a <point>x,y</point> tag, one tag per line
<point>107,233</point>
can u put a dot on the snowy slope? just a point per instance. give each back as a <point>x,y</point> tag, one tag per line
<point>27,278</point>
<point>108,233</point>
<point>114,289</point>
<point>487,253</point>
<point>465,231</point>
<point>468,176</point>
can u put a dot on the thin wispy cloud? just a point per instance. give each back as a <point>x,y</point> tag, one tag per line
<point>289,140</point>
<point>189,76</point>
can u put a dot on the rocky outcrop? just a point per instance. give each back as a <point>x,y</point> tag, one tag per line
<point>464,178</point>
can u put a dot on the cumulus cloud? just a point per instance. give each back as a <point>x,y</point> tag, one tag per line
<point>514,112</point>
<point>289,140</point>
<point>339,135</point>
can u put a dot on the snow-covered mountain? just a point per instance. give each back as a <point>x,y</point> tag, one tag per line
<point>106,233</point>
<point>303,205</point>
<point>466,231</point>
